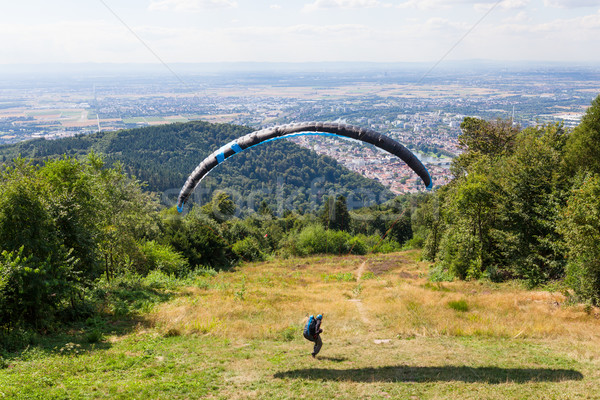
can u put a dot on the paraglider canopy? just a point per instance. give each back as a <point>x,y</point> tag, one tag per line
<point>308,128</point>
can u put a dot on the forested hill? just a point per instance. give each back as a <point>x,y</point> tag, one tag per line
<point>163,157</point>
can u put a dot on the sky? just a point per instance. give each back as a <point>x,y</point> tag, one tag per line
<point>204,31</point>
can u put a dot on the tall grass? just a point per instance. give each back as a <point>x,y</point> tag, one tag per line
<point>401,302</point>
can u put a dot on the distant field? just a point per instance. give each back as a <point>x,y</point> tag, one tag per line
<point>389,333</point>
<point>154,120</point>
<point>363,89</point>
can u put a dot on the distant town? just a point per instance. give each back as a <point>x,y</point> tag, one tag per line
<point>421,109</point>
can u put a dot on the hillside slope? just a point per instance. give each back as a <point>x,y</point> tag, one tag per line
<point>389,333</point>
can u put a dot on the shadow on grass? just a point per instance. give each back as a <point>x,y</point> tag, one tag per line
<point>333,359</point>
<point>405,373</point>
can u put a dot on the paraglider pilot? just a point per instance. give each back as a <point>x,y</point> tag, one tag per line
<point>312,332</point>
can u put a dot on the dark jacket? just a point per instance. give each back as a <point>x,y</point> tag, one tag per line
<point>318,329</point>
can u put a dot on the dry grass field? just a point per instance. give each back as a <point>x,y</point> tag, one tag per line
<point>389,333</point>
<point>379,296</point>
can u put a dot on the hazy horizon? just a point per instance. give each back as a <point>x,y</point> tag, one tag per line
<point>383,31</point>
<point>287,67</point>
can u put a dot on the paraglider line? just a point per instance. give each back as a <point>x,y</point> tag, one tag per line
<point>459,41</point>
<point>388,231</point>
<point>141,41</point>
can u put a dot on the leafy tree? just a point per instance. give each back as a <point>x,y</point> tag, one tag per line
<point>580,226</point>
<point>33,289</point>
<point>483,141</point>
<point>128,214</point>
<point>24,219</point>
<point>499,215</point>
<point>487,137</point>
<point>199,239</point>
<point>467,247</point>
<point>534,183</point>
<point>58,222</point>
<point>583,145</point>
<point>335,214</point>
<point>220,208</point>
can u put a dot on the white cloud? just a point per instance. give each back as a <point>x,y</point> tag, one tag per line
<point>275,7</point>
<point>190,5</point>
<point>444,25</point>
<point>586,28</point>
<point>571,3</point>
<point>318,31</point>
<point>69,41</point>
<point>522,16</point>
<point>513,4</point>
<point>324,4</point>
<point>506,5</point>
<point>478,4</point>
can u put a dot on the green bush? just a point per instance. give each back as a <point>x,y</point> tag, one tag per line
<point>199,239</point>
<point>314,239</point>
<point>158,279</point>
<point>416,242</point>
<point>438,273</point>
<point>161,257</point>
<point>94,336</point>
<point>249,249</point>
<point>15,339</point>
<point>386,246</point>
<point>357,245</point>
<point>31,291</point>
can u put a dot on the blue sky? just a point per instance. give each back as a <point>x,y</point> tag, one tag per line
<point>144,31</point>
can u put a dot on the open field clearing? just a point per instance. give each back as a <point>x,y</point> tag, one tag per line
<point>388,333</point>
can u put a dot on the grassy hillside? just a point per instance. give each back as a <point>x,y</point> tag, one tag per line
<point>164,156</point>
<point>388,333</point>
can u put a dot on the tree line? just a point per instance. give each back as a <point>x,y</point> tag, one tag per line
<point>523,204</point>
<point>71,229</point>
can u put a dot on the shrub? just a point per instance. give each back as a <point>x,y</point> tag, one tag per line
<point>30,291</point>
<point>161,257</point>
<point>357,245</point>
<point>159,280</point>
<point>15,339</point>
<point>438,273</point>
<point>94,336</point>
<point>248,249</point>
<point>386,246</point>
<point>314,239</point>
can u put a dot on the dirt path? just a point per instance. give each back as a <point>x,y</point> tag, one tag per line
<point>360,271</point>
<point>372,326</point>
<point>360,308</point>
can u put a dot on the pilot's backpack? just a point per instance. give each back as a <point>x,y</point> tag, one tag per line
<point>309,328</point>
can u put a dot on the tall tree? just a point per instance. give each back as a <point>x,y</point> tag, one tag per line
<point>583,146</point>
<point>335,214</point>
<point>581,229</point>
